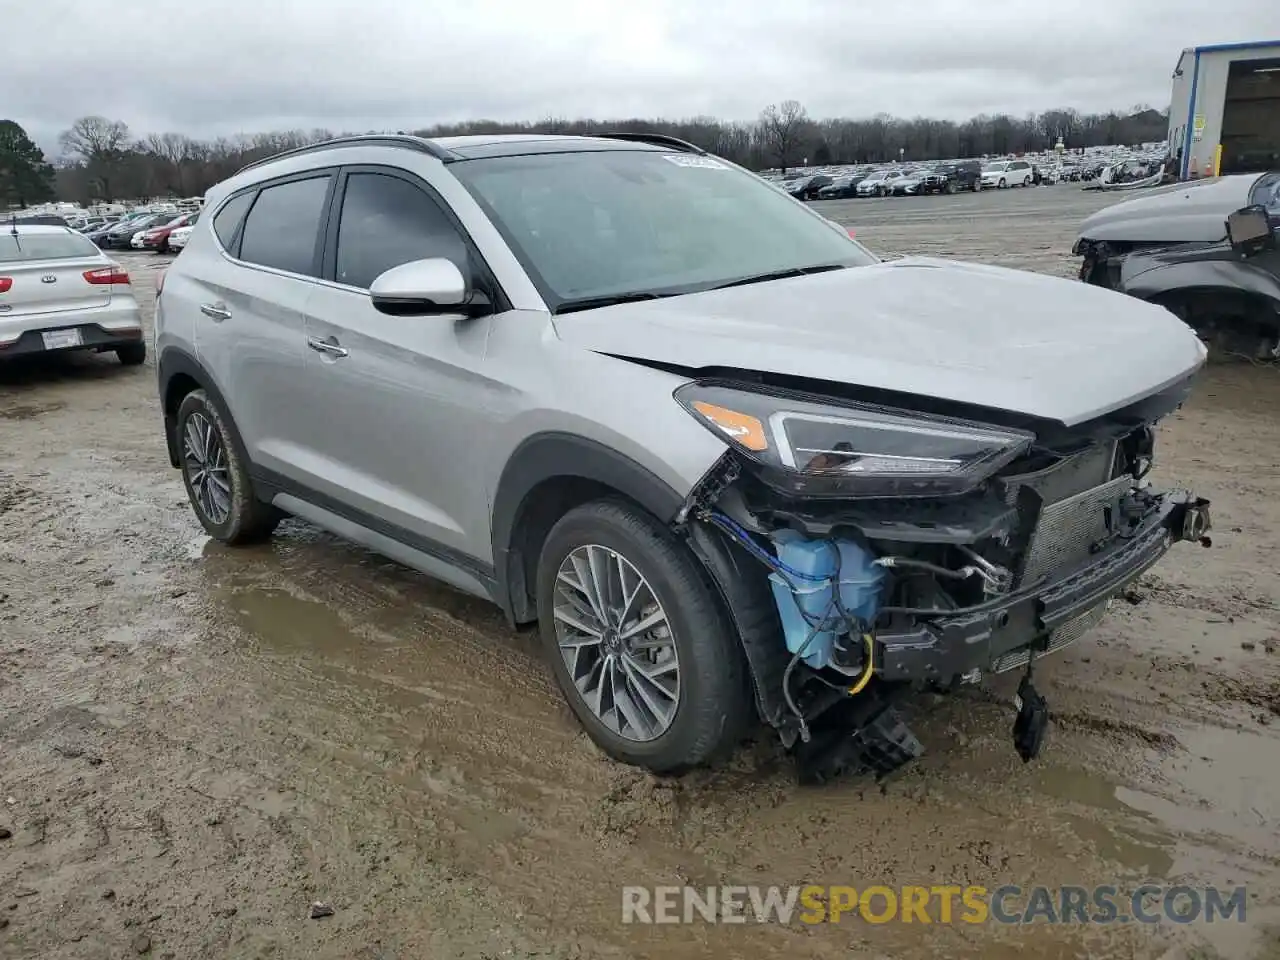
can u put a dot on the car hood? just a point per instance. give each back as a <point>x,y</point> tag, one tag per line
<point>1177,213</point>
<point>988,336</point>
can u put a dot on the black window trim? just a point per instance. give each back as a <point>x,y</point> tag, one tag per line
<point>484,280</point>
<point>232,252</point>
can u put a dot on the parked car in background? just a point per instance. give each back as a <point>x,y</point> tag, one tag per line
<point>157,238</point>
<point>909,182</point>
<point>59,292</point>
<point>841,188</point>
<point>807,187</point>
<point>178,237</point>
<point>1007,173</point>
<point>879,183</point>
<point>120,237</point>
<point>959,174</point>
<point>1208,251</point>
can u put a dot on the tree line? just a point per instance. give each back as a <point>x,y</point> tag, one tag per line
<point>102,159</point>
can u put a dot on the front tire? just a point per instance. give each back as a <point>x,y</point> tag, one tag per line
<point>217,476</point>
<point>638,641</point>
<point>1003,183</point>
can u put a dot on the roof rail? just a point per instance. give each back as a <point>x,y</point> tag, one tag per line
<point>657,139</point>
<point>421,144</point>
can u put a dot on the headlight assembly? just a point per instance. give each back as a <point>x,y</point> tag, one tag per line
<point>810,447</point>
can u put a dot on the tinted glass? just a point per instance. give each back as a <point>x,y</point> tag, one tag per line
<point>44,246</point>
<point>639,221</point>
<point>387,221</point>
<point>229,217</point>
<point>282,228</point>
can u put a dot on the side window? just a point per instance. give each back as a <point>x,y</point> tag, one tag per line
<point>229,217</point>
<point>387,221</point>
<point>284,224</point>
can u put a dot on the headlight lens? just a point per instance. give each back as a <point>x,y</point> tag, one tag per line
<point>813,447</point>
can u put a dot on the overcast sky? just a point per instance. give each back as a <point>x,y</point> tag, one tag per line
<point>209,67</point>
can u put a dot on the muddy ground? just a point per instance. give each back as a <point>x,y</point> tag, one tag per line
<point>197,743</point>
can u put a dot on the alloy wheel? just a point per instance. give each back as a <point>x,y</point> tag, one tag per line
<point>616,642</point>
<point>204,459</point>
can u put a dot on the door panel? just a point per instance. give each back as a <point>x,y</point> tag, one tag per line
<point>250,315</point>
<point>255,354</point>
<point>395,420</point>
<point>397,401</point>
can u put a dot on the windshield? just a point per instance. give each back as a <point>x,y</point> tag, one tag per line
<point>44,246</point>
<point>609,223</point>
<point>995,167</point>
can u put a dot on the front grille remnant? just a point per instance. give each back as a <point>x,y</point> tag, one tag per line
<point>1083,471</point>
<point>1068,633</point>
<point>1066,531</point>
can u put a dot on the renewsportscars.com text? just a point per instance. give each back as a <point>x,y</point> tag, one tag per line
<point>812,904</point>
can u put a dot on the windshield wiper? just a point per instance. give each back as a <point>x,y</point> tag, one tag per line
<point>609,300</point>
<point>781,275</point>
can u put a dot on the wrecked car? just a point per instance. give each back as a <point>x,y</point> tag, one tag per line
<point>1205,250</point>
<point>735,467</point>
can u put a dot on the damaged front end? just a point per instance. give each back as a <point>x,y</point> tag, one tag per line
<point>1196,251</point>
<point>1231,299</point>
<point>864,551</point>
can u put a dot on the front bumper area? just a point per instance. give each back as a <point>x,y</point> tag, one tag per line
<point>1052,614</point>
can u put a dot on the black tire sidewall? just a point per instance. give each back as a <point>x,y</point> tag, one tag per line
<point>714,702</point>
<point>243,504</point>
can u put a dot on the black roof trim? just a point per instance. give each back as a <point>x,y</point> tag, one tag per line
<point>657,139</point>
<point>421,144</point>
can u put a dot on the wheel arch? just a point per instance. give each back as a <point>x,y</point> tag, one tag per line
<point>180,373</point>
<point>1231,283</point>
<point>548,475</point>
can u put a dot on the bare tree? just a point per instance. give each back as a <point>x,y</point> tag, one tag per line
<point>92,138</point>
<point>102,146</point>
<point>781,128</point>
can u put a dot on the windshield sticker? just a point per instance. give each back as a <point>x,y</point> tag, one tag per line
<point>687,160</point>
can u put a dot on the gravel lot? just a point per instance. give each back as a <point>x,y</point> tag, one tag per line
<point>199,743</point>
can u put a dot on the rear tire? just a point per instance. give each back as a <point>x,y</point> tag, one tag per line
<point>132,354</point>
<point>217,476</point>
<point>712,704</point>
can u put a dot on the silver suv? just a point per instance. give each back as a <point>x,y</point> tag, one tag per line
<point>736,467</point>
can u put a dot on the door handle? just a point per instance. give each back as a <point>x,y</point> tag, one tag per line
<point>328,345</point>
<point>215,311</point>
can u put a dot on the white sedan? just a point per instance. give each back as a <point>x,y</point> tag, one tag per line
<point>178,238</point>
<point>60,292</point>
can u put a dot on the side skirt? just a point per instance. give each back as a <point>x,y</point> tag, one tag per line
<point>459,570</point>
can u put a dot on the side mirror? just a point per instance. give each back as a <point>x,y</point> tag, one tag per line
<point>1249,229</point>
<point>421,287</point>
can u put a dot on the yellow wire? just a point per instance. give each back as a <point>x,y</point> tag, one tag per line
<point>863,680</point>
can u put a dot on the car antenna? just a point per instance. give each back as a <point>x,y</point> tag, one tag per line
<point>13,229</point>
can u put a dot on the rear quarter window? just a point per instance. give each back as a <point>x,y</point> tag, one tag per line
<point>229,217</point>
